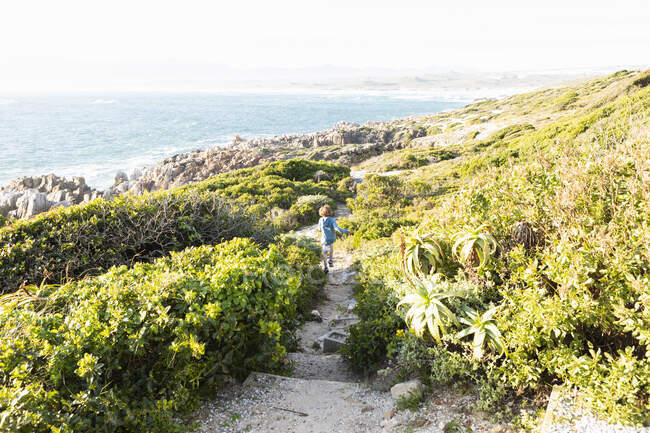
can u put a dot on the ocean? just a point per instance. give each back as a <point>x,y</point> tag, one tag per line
<point>96,135</point>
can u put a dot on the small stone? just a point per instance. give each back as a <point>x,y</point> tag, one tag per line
<point>406,389</point>
<point>333,340</point>
<point>389,414</point>
<point>315,316</point>
<point>321,175</point>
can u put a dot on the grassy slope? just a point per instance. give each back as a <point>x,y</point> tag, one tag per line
<point>574,163</point>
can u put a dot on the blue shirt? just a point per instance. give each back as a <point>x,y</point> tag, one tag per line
<point>328,229</point>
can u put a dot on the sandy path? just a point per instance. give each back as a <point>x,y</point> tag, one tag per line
<point>323,395</point>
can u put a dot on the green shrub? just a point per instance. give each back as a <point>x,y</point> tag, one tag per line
<point>3,221</point>
<point>306,207</point>
<point>133,349</point>
<point>68,243</point>
<point>409,159</point>
<point>504,136</point>
<point>367,343</point>
<point>373,225</point>
<point>277,184</point>
<point>347,185</point>
<point>378,192</point>
<point>369,340</point>
<point>82,240</point>
<point>643,80</point>
<point>565,101</point>
<point>412,160</point>
<point>301,170</point>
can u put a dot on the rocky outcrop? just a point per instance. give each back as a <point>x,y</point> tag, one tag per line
<point>347,143</point>
<point>25,197</point>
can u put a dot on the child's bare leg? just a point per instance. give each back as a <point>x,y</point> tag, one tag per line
<point>331,254</point>
<point>324,250</point>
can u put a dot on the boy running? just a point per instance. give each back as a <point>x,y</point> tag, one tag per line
<point>328,228</point>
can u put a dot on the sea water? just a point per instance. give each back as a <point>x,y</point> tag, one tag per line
<point>95,135</point>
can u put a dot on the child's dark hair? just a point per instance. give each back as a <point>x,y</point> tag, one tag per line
<point>325,211</point>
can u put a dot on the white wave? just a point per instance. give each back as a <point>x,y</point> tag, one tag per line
<point>103,101</point>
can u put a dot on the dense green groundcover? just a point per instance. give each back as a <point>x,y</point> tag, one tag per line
<point>279,184</point>
<point>568,206</point>
<point>130,350</point>
<point>69,243</point>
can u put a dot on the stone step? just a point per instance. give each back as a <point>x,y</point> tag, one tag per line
<point>321,367</point>
<point>316,406</point>
<point>333,340</point>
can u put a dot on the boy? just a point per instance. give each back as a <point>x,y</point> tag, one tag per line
<point>328,228</point>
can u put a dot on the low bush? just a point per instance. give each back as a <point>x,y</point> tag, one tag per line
<point>306,207</point>
<point>347,185</point>
<point>378,192</point>
<point>564,102</point>
<point>133,349</point>
<point>372,225</point>
<point>82,240</point>
<point>642,80</point>
<point>277,184</point>
<point>370,340</point>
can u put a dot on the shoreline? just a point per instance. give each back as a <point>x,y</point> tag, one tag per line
<point>346,143</point>
<point>84,138</point>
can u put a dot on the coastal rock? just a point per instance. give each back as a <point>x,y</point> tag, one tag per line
<point>120,177</point>
<point>123,187</point>
<point>7,202</point>
<point>29,204</point>
<point>346,143</point>
<point>135,174</point>
<point>237,139</point>
<point>57,196</point>
<point>63,203</point>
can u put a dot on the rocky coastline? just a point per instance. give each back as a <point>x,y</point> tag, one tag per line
<point>346,143</point>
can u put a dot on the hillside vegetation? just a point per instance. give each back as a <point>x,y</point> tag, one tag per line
<point>508,254</point>
<point>133,349</point>
<point>525,261</point>
<point>83,240</point>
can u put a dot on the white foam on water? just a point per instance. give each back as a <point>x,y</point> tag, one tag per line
<point>64,135</point>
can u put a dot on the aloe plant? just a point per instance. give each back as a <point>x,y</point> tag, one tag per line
<point>422,255</point>
<point>427,310</point>
<point>484,329</point>
<point>474,247</point>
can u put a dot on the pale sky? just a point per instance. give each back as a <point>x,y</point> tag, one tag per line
<point>65,44</point>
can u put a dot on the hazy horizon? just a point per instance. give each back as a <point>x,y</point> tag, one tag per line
<point>161,45</point>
